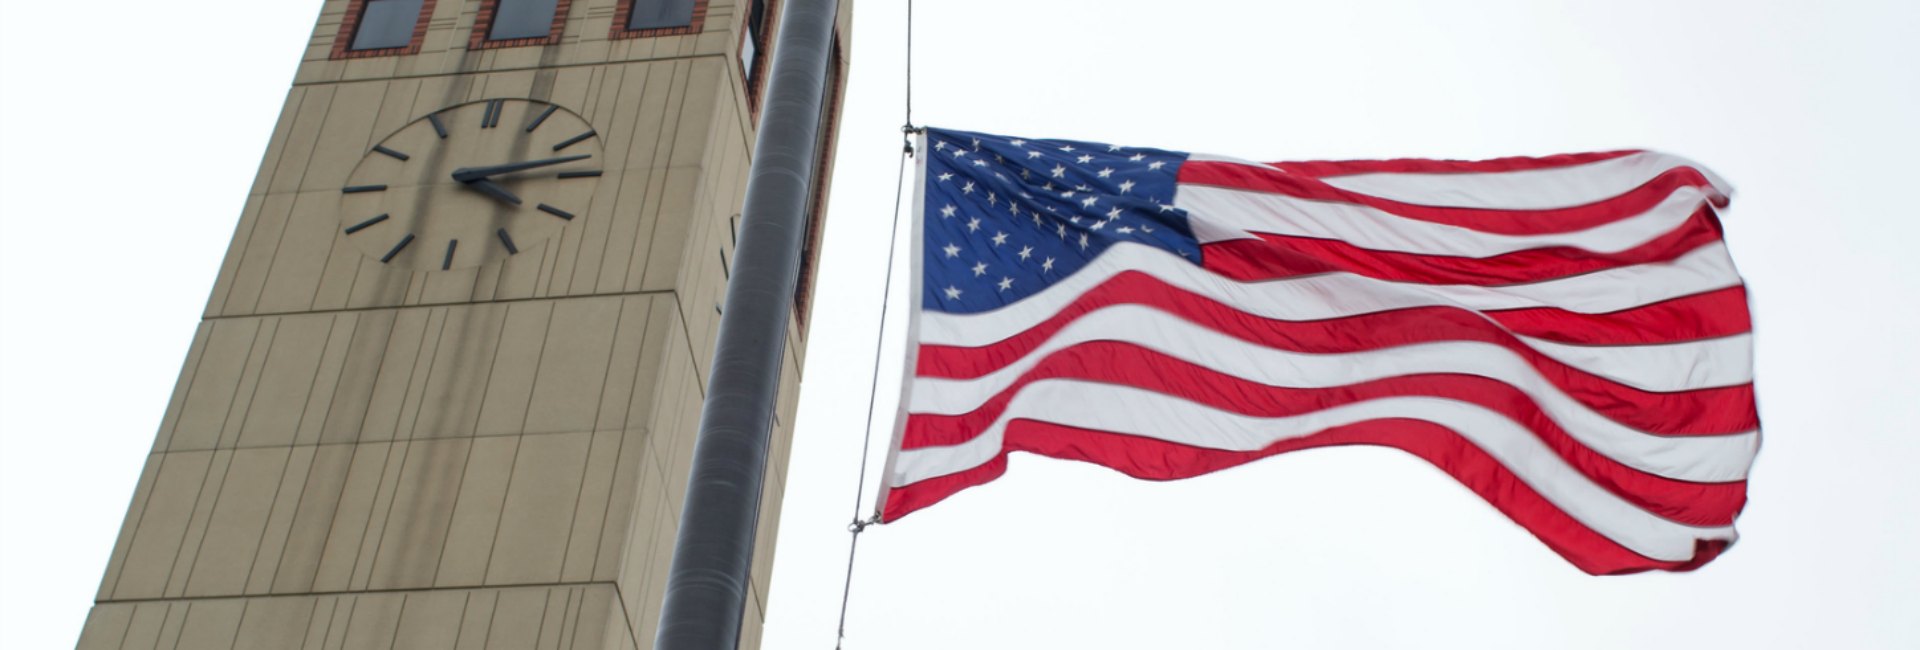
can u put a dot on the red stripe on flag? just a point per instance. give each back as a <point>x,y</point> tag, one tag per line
<point>1150,459</point>
<point>1281,256</point>
<point>1700,316</point>
<point>1422,166</point>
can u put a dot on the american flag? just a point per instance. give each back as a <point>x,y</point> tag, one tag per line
<point>1566,336</point>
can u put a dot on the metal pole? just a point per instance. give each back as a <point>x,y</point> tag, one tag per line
<point>707,584</point>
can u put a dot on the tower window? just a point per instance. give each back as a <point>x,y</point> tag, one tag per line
<point>753,50</point>
<point>387,23</point>
<point>521,19</point>
<point>822,174</point>
<point>381,28</point>
<point>640,18</point>
<point>512,23</point>
<point>655,14</point>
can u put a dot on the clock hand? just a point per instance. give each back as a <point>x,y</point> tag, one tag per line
<point>492,189</point>
<point>469,174</point>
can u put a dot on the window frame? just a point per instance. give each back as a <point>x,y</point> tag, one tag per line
<point>822,175</point>
<point>483,24</point>
<point>753,74</point>
<point>624,11</point>
<point>350,25</point>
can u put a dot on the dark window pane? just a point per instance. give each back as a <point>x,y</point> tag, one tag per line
<point>386,23</point>
<point>653,14</point>
<point>756,19</point>
<point>755,44</point>
<point>521,19</point>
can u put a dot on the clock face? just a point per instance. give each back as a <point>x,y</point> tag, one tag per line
<point>471,184</point>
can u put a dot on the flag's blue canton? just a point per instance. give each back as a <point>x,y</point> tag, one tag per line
<point>1007,217</point>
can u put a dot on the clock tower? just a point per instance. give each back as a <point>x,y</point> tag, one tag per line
<point>446,387</point>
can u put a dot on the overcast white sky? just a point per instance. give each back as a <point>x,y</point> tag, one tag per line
<point>130,132</point>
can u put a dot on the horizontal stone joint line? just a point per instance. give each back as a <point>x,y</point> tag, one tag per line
<point>353,592</point>
<point>497,301</point>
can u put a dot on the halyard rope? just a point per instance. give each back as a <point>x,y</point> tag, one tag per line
<point>907,130</point>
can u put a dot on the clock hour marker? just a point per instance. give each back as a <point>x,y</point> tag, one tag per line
<point>574,140</point>
<point>397,155</point>
<point>492,117</point>
<point>556,212</point>
<point>543,117</point>
<point>364,224</point>
<point>497,182</point>
<point>396,249</point>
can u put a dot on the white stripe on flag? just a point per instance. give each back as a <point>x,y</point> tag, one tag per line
<point>1664,368</point>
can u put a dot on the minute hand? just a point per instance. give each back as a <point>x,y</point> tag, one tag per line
<point>469,174</point>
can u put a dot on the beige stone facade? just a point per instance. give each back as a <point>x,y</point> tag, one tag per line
<point>362,455</point>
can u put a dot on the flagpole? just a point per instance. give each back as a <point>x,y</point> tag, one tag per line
<point>707,583</point>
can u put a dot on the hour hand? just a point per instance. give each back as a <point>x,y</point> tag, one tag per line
<point>469,174</point>
<point>492,189</point>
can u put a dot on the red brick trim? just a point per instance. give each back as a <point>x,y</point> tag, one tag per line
<point>483,23</point>
<point>625,11</point>
<point>357,8</point>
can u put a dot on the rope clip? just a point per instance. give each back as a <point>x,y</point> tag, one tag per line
<point>907,131</point>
